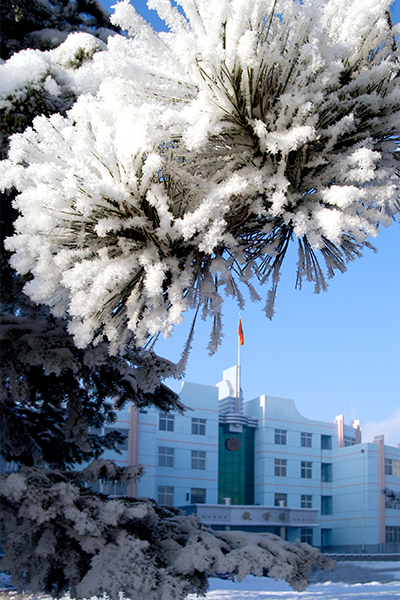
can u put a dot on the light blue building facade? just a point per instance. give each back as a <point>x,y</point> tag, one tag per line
<point>261,466</point>
<point>180,452</point>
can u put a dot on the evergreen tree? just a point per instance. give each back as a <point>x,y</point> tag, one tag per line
<point>62,536</point>
<point>196,158</point>
<point>46,409</point>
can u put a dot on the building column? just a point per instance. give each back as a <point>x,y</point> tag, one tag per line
<point>133,446</point>
<point>380,440</point>
<point>340,423</point>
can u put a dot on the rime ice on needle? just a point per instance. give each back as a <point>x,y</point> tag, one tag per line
<point>204,153</point>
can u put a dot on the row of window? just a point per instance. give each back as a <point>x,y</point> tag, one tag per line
<point>306,501</point>
<point>198,496</point>
<point>392,467</point>
<point>305,469</point>
<point>165,495</point>
<point>167,423</point>
<point>306,439</point>
<point>166,458</point>
<point>281,438</point>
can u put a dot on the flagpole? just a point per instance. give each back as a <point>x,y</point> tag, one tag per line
<point>240,343</point>
<point>238,379</point>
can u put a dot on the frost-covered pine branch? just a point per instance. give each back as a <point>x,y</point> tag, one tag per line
<point>52,392</point>
<point>206,152</point>
<point>44,24</point>
<point>66,537</point>
<point>34,83</point>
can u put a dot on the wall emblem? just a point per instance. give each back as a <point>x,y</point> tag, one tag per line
<point>233,444</point>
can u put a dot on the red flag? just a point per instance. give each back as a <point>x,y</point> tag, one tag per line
<point>240,333</point>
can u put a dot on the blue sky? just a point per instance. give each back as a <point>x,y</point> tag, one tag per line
<point>333,353</point>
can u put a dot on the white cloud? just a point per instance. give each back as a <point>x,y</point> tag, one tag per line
<point>390,428</point>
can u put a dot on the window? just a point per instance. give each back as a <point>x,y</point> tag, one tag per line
<point>306,535</point>
<point>348,441</point>
<point>166,457</point>
<point>199,460</point>
<point>280,467</point>
<point>123,445</point>
<point>392,467</point>
<point>96,430</point>
<point>326,505</point>
<point>306,501</point>
<point>109,487</point>
<point>197,496</point>
<point>165,495</point>
<point>114,489</point>
<point>280,436</point>
<point>326,472</point>
<point>199,426</point>
<point>280,498</point>
<point>306,469</point>
<point>326,442</point>
<point>166,422</point>
<point>388,466</point>
<point>306,440</point>
<point>392,533</point>
<point>389,503</point>
<point>326,537</point>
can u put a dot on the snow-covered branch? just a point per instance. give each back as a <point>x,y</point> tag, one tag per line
<point>66,537</point>
<point>206,151</point>
<point>392,497</point>
<point>52,392</point>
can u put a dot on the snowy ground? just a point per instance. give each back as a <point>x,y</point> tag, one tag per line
<point>349,581</point>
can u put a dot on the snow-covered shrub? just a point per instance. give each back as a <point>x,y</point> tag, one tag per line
<point>206,151</point>
<point>62,536</point>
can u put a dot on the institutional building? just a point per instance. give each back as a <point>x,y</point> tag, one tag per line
<point>261,466</point>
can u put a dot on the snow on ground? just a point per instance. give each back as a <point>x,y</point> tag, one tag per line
<point>253,588</point>
<point>350,580</point>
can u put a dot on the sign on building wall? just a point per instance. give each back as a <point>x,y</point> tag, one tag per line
<point>233,444</point>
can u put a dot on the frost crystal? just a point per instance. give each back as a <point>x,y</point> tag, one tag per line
<point>205,152</point>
